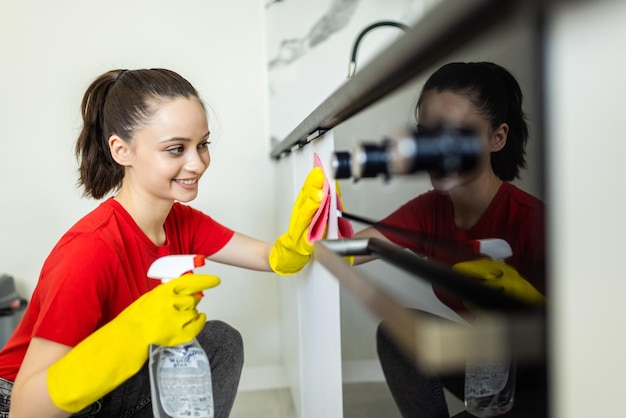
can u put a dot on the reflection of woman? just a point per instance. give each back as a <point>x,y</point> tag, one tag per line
<point>481,204</point>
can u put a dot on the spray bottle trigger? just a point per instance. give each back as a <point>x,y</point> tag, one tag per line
<point>171,266</point>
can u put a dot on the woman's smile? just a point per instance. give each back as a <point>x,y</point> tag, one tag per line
<point>187,183</point>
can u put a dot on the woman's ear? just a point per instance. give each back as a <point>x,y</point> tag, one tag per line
<point>498,139</point>
<point>120,150</point>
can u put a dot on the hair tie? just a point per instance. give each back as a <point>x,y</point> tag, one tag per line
<point>119,75</point>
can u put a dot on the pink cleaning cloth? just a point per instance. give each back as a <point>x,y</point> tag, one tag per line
<point>344,227</point>
<point>318,226</point>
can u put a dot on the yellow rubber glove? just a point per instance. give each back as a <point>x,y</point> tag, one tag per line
<point>499,275</point>
<point>165,316</point>
<point>292,250</point>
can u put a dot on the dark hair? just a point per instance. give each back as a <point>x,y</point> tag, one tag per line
<point>119,102</point>
<point>496,94</point>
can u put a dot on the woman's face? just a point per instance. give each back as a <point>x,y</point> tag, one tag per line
<point>170,152</point>
<point>447,109</point>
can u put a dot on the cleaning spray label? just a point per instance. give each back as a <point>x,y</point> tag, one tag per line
<point>486,379</point>
<point>183,377</point>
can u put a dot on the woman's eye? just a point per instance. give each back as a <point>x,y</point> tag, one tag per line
<point>178,150</point>
<point>204,145</point>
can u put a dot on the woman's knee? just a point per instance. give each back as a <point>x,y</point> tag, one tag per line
<point>384,344</point>
<point>221,339</point>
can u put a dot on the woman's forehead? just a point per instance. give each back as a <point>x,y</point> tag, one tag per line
<point>447,108</point>
<point>181,116</point>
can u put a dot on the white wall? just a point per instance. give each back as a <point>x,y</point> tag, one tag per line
<point>51,51</point>
<point>586,67</point>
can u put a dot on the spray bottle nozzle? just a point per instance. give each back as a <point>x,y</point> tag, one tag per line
<point>172,266</point>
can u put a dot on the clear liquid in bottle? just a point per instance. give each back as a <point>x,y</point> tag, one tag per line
<point>180,381</point>
<point>489,388</point>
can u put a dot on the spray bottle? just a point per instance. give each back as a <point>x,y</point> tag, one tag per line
<point>180,377</point>
<point>490,385</point>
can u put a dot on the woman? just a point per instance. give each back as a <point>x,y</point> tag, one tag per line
<point>483,98</point>
<point>83,343</point>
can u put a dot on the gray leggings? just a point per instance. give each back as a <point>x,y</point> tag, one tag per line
<point>223,345</point>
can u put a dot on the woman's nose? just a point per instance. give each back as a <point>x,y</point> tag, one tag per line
<point>197,162</point>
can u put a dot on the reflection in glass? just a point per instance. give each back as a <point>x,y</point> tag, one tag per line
<point>461,210</point>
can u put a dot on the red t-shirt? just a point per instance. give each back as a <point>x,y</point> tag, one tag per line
<point>97,269</point>
<point>513,215</point>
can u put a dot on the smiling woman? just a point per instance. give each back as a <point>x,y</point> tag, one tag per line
<point>169,155</point>
<point>83,343</point>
